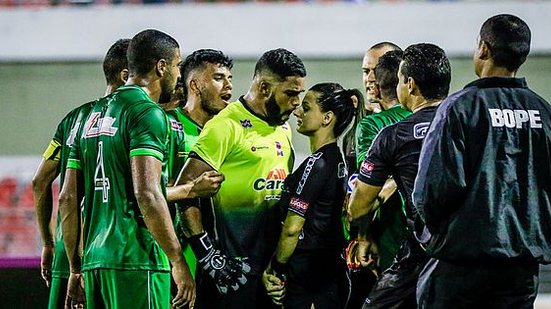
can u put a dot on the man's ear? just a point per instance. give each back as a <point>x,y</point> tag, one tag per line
<point>123,75</point>
<point>265,88</point>
<point>161,67</point>
<point>193,86</point>
<point>412,85</point>
<point>483,52</point>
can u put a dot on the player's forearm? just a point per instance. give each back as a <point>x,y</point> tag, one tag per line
<point>70,226</point>
<point>287,245</point>
<point>359,206</point>
<point>157,219</point>
<point>190,217</point>
<point>43,206</point>
<point>179,192</point>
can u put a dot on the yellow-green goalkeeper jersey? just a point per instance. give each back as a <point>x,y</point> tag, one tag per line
<point>120,126</point>
<point>255,158</point>
<point>59,150</point>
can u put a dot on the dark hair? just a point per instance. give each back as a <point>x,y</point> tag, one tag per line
<point>508,38</point>
<point>391,45</point>
<point>198,59</point>
<point>281,62</point>
<point>386,72</point>
<point>333,97</point>
<point>428,65</point>
<point>115,61</point>
<point>148,47</point>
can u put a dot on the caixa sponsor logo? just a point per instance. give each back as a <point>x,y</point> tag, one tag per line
<point>274,180</point>
<point>420,130</point>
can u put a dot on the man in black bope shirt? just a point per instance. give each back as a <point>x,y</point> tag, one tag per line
<point>424,80</point>
<point>484,184</point>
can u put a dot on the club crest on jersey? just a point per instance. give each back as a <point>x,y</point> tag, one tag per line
<point>274,180</point>
<point>96,126</point>
<point>420,130</point>
<point>246,123</point>
<point>366,168</point>
<point>176,125</point>
<point>279,150</point>
<point>351,184</point>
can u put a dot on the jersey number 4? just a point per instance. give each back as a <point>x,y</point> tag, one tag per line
<point>101,181</point>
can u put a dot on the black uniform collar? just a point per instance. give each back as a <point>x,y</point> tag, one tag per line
<point>493,82</point>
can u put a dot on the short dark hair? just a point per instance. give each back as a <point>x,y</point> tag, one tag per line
<point>333,97</point>
<point>508,38</point>
<point>198,59</point>
<point>148,47</point>
<point>386,72</point>
<point>115,61</point>
<point>391,45</point>
<point>429,66</point>
<point>281,62</point>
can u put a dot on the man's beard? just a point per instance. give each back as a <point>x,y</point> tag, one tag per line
<point>274,115</point>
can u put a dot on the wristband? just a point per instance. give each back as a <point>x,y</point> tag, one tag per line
<point>201,245</point>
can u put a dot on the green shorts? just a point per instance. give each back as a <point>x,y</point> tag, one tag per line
<point>58,291</point>
<point>112,288</point>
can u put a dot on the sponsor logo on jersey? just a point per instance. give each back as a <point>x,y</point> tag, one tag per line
<point>366,168</point>
<point>298,205</point>
<point>246,123</point>
<point>515,118</point>
<point>279,151</point>
<point>255,148</point>
<point>420,130</point>
<point>71,139</point>
<point>176,125</point>
<point>274,180</point>
<point>96,126</point>
<point>307,170</point>
<point>285,126</point>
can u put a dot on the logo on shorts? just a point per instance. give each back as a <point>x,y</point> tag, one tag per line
<point>246,123</point>
<point>366,168</point>
<point>420,130</point>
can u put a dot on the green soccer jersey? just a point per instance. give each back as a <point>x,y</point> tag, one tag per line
<point>371,125</point>
<point>120,126</point>
<point>184,134</point>
<point>255,158</point>
<point>59,150</point>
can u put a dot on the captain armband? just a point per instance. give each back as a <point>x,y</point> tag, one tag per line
<point>53,151</point>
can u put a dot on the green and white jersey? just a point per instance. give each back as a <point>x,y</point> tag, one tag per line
<point>59,150</point>
<point>120,126</point>
<point>184,134</point>
<point>255,159</point>
<point>371,125</point>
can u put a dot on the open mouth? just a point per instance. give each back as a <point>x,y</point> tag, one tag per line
<point>226,97</point>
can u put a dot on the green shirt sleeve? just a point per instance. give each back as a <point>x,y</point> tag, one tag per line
<point>365,134</point>
<point>148,131</point>
<point>216,141</point>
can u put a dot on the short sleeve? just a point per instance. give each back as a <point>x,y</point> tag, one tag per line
<point>216,141</point>
<point>311,183</point>
<point>148,132</point>
<point>365,134</point>
<point>375,168</point>
<point>73,162</point>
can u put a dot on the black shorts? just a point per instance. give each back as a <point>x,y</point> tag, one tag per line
<point>396,288</point>
<point>317,278</point>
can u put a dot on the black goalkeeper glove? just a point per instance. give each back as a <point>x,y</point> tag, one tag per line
<point>227,273</point>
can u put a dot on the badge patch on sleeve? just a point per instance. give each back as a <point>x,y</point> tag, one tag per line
<point>298,206</point>
<point>366,168</point>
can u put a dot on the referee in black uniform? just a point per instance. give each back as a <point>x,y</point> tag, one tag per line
<point>424,80</point>
<point>484,183</point>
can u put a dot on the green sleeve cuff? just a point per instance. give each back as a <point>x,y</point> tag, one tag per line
<point>146,152</point>
<point>74,164</point>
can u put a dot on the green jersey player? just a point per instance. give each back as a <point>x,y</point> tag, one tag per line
<point>249,142</point>
<point>117,159</point>
<point>54,264</point>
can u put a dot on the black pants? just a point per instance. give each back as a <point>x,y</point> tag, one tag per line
<point>317,278</point>
<point>499,284</point>
<point>397,285</point>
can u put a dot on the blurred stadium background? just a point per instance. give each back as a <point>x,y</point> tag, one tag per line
<point>50,62</point>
